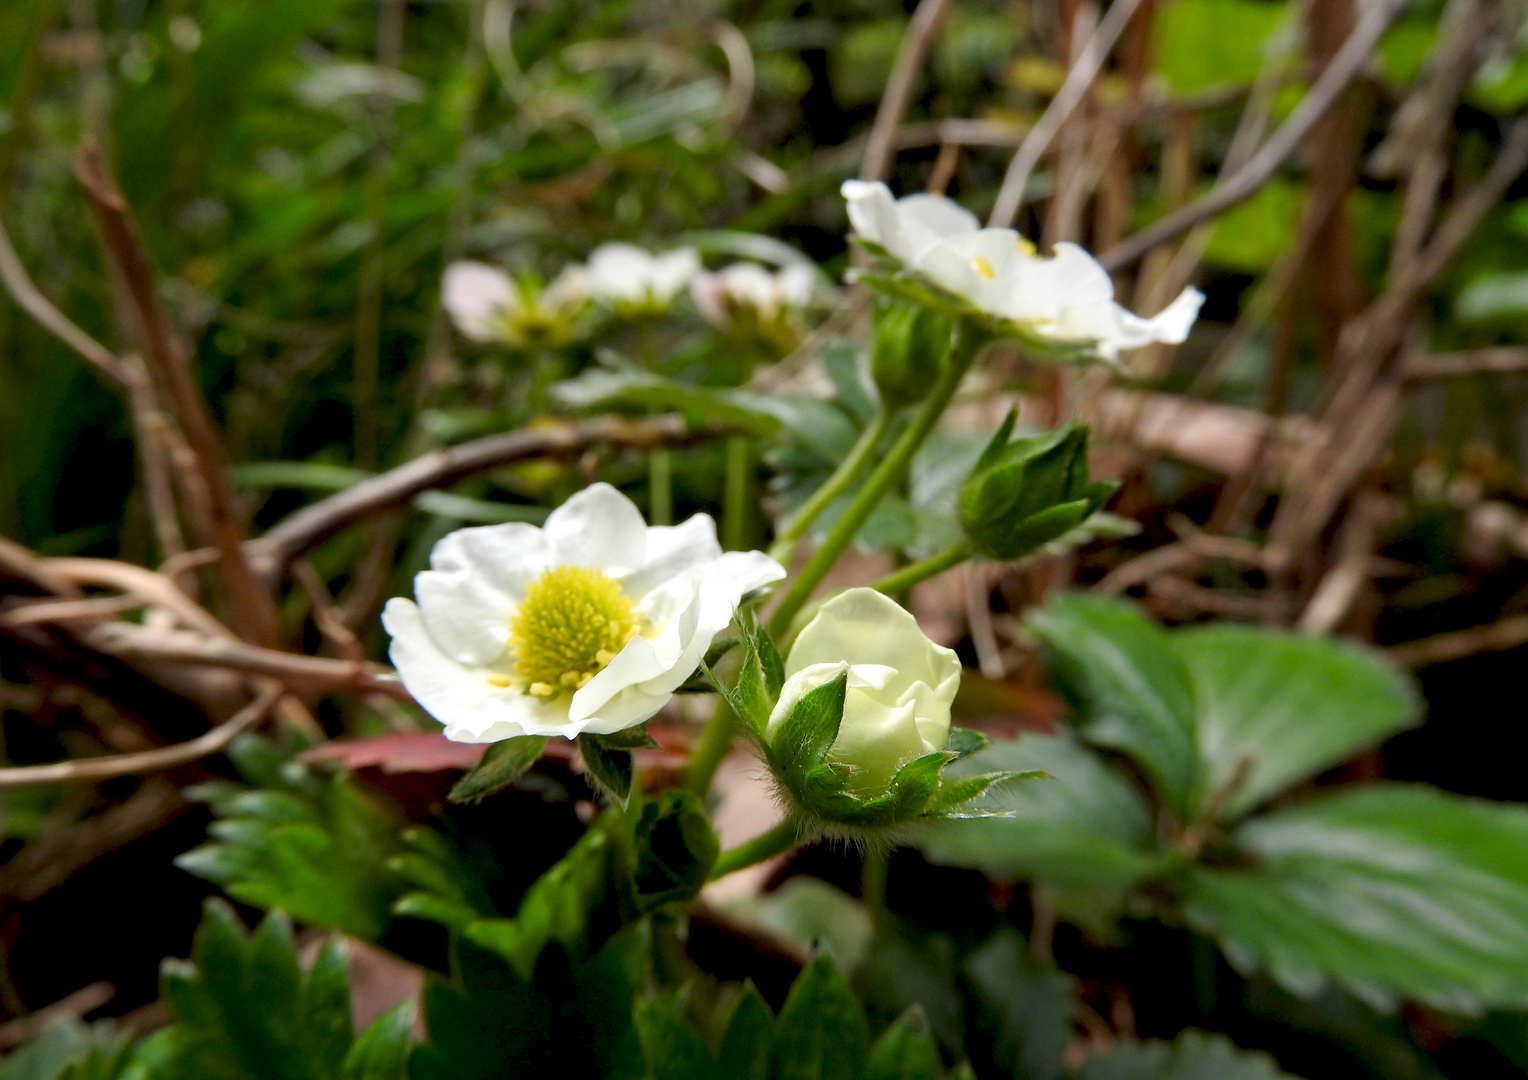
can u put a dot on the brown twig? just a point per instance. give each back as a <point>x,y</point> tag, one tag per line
<point>17,282</point>
<point>1090,60</point>
<point>899,87</point>
<point>272,552</point>
<point>1507,633</point>
<point>53,858</point>
<point>1244,182</point>
<point>1475,362</point>
<point>84,1000</point>
<point>148,761</point>
<point>247,600</point>
<point>301,674</point>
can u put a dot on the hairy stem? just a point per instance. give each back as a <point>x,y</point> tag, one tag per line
<point>849,470</point>
<point>923,569</point>
<point>969,340</point>
<point>777,841</point>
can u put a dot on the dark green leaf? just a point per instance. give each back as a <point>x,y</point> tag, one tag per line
<point>820,1034</point>
<point>672,1048</point>
<point>1389,890</point>
<point>746,1042</point>
<point>381,1052</point>
<point>1274,709</point>
<point>1026,1007</point>
<point>314,845</point>
<point>243,1007</point>
<point>1191,1056</point>
<point>1085,825</point>
<point>556,907</point>
<point>610,769</point>
<point>1130,686</point>
<point>675,850</point>
<point>501,765</point>
<point>905,1051</point>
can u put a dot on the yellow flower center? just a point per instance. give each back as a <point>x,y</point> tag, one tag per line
<point>573,621</point>
<point>983,267</point>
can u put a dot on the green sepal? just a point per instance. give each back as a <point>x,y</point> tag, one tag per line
<point>632,738</point>
<point>963,742</point>
<point>609,767</point>
<point>1025,493</point>
<point>501,765</point>
<point>675,850</point>
<point>808,733</point>
<point>954,794</point>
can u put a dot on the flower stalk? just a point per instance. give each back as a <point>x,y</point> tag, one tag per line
<point>776,841</point>
<point>851,469</point>
<point>913,573</point>
<point>969,340</point>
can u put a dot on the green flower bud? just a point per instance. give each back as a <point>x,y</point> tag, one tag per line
<point>910,346</point>
<point>860,732</point>
<point>1028,492</point>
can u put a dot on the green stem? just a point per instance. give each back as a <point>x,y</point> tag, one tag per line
<point>660,486</point>
<point>969,340</point>
<point>735,501</point>
<point>715,742</point>
<point>776,841</point>
<point>923,569</point>
<point>849,470</point>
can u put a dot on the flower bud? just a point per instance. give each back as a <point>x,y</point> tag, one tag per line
<point>909,348</point>
<point>1028,492</point>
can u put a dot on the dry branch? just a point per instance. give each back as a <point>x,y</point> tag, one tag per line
<point>272,552</point>
<point>148,761</point>
<point>1245,182</point>
<point>246,598</point>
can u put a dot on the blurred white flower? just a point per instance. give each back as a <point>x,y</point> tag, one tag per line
<point>900,685</point>
<point>747,287</point>
<point>487,305</point>
<point>628,278</point>
<point>1066,300</point>
<point>586,625</point>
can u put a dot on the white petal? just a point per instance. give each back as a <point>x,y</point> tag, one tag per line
<point>874,216</point>
<point>466,617</point>
<point>619,272</point>
<point>930,219</point>
<point>876,740</point>
<point>672,273</point>
<point>508,557</point>
<point>568,291</point>
<point>670,551</point>
<point>862,626</point>
<point>460,697</point>
<point>709,294</point>
<point>1171,325</point>
<point>600,528</point>
<point>796,284</point>
<point>479,299</point>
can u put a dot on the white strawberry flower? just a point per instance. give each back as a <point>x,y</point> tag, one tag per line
<point>1066,300</point>
<point>629,278</point>
<point>488,305</point>
<point>748,287</point>
<point>899,690</point>
<point>587,624</point>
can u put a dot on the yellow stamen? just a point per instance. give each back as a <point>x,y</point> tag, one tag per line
<point>500,680</point>
<point>573,621</point>
<point>983,267</point>
<point>1028,248</point>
